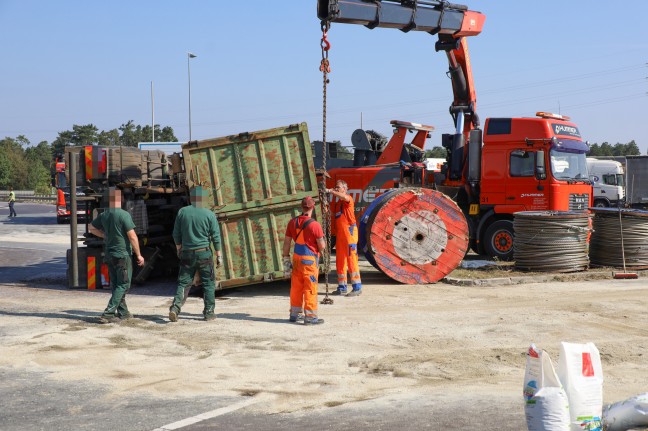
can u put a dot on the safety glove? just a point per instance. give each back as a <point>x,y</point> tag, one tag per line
<point>219,261</point>
<point>288,266</point>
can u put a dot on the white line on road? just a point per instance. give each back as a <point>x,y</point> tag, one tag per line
<point>208,415</point>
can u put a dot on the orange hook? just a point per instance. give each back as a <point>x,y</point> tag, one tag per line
<point>325,44</point>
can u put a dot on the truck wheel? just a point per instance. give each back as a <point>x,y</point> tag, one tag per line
<point>498,240</point>
<point>601,203</point>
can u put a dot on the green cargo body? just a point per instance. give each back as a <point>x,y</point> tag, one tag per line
<point>255,181</point>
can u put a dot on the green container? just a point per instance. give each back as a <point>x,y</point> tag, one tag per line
<point>255,183</point>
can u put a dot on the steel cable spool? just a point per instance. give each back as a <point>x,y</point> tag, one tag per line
<point>605,247</point>
<point>551,241</point>
<point>416,236</point>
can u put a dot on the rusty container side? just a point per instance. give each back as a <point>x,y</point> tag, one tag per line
<point>255,183</point>
<point>251,244</point>
<point>253,169</point>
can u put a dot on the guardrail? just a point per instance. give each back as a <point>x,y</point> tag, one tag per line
<point>27,196</point>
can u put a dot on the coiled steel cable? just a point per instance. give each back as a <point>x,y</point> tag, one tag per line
<point>551,241</point>
<point>606,248</point>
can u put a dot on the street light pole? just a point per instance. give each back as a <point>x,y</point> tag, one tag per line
<point>189,57</point>
<point>152,112</point>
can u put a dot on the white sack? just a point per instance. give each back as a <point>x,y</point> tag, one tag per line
<point>546,407</point>
<point>628,414</point>
<point>581,374</point>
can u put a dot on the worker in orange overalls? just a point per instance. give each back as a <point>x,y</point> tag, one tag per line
<point>60,202</point>
<point>60,198</point>
<point>309,243</point>
<point>346,241</point>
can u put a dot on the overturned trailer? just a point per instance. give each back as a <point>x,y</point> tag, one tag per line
<point>255,180</point>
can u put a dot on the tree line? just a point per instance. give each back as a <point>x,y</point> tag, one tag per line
<point>31,167</point>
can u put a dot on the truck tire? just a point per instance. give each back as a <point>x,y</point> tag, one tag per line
<point>498,240</point>
<point>601,203</point>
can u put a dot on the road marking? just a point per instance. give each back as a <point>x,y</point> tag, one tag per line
<point>208,415</point>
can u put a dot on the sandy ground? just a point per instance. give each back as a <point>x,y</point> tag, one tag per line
<point>392,340</point>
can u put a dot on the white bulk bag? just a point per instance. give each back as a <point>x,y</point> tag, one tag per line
<point>546,407</point>
<point>581,374</point>
<point>628,414</point>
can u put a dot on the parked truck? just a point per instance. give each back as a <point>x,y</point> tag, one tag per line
<point>636,181</point>
<point>513,164</point>
<point>608,182</point>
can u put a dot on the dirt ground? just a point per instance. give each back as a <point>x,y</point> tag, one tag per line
<point>394,339</point>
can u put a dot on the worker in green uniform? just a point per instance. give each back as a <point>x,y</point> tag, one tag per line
<point>117,229</point>
<point>195,230</point>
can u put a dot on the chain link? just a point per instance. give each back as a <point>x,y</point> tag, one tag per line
<point>325,68</point>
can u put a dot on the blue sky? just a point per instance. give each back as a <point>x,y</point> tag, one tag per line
<point>78,62</point>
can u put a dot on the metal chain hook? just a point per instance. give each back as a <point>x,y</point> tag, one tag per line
<point>325,68</point>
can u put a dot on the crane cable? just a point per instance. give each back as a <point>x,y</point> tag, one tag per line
<point>325,68</point>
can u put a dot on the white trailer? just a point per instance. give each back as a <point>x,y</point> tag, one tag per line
<point>608,181</point>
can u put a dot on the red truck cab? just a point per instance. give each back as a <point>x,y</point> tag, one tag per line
<point>527,164</point>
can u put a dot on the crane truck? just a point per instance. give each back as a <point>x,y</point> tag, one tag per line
<point>512,164</point>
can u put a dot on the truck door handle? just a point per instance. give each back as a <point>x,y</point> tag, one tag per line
<point>510,198</point>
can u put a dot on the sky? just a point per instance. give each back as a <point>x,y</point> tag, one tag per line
<point>78,62</point>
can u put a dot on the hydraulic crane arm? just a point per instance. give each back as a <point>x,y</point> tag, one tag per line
<point>452,23</point>
<point>422,15</point>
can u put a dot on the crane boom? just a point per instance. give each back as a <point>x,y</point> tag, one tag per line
<point>406,15</point>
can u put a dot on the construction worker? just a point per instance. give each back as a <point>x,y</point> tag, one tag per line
<point>12,200</point>
<point>117,229</point>
<point>309,243</point>
<point>346,240</point>
<point>60,200</point>
<point>195,229</point>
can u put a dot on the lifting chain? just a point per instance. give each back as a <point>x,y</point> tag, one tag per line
<point>325,68</point>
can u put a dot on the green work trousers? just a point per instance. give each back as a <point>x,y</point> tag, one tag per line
<point>120,270</point>
<point>190,263</point>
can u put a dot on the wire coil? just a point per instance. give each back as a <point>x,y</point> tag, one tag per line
<point>551,241</point>
<point>609,225</point>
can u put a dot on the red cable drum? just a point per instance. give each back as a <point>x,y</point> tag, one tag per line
<point>417,236</point>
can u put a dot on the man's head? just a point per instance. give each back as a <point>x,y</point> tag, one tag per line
<point>198,196</point>
<point>307,204</point>
<point>341,186</point>
<point>114,197</point>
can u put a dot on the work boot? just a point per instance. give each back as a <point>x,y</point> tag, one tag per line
<point>298,318</point>
<point>109,319</point>
<point>355,292</point>
<point>173,315</point>
<point>339,292</point>
<point>209,317</point>
<point>126,316</point>
<point>313,321</point>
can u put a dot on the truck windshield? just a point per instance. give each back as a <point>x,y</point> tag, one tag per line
<point>568,160</point>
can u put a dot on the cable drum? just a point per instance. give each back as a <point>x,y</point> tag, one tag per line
<point>605,247</point>
<point>551,241</point>
<point>416,235</point>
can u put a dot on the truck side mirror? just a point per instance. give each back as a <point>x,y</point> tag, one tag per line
<point>540,167</point>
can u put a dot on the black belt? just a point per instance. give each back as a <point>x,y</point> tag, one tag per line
<point>200,249</point>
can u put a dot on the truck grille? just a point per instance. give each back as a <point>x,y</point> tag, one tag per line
<point>578,202</point>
